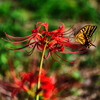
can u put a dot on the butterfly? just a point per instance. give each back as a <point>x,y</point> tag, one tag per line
<point>84,35</point>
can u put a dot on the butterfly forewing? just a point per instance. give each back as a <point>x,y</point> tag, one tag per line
<point>90,31</point>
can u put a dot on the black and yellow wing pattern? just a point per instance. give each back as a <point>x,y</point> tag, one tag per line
<point>84,35</point>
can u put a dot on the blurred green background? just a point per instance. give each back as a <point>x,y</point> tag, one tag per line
<point>19,17</point>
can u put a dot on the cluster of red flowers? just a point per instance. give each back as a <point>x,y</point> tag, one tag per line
<point>51,87</point>
<point>46,90</point>
<point>56,40</point>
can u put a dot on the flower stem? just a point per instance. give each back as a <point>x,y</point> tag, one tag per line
<point>40,69</point>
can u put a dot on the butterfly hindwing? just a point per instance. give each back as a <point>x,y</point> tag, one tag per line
<point>80,38</point>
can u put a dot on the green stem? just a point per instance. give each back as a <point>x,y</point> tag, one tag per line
<point>40,69</point>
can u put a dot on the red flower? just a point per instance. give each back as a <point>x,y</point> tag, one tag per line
<point>50,89</point>
<point>47,83</point>
<point>57,40</point>
<point>46,89</point>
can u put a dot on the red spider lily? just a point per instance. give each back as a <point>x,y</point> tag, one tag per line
<point>50,89</point>
<point>47,84</point>
<point>57,40</point>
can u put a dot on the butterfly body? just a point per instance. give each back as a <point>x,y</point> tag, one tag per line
<point>84,35</point>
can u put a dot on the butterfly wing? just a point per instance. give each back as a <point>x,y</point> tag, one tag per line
<point>85,34</point>
<point>90,30</point>
<point>79,37</point>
